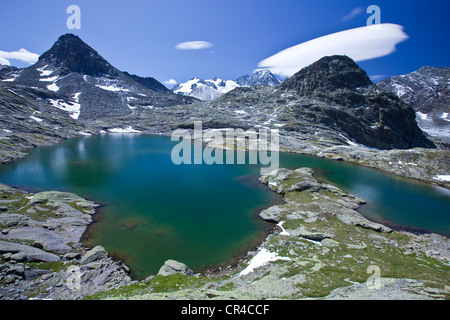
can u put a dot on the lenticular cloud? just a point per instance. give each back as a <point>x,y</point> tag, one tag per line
<point>360,44</point>
<point>194,45</point>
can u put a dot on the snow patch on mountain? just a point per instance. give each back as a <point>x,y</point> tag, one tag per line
<point>206,90</point>
<point>44,73</point>
<point>72,108</point>
<point>53,87</point>
<point>36,119</point>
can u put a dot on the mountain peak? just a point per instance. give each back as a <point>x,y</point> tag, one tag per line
<point>69,37</point>
<point>72,54</point>
<point>259,77</point>
<point>329,73</point>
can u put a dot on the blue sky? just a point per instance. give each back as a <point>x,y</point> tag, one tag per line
<point>140,36</point>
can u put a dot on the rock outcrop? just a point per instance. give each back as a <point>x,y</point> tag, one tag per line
<point>41,254</point>
<point>171,267</point>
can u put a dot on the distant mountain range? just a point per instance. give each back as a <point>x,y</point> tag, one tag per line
<point>208,90</point>
<point>427,90</point>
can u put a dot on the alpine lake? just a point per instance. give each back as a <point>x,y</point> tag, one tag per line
<point>202,215</point>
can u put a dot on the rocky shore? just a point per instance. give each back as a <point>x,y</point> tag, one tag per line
<point>41,254</point>
<point>320,248</point>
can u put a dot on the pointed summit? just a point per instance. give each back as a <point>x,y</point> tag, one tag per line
<point>71,54</point>
<point>329,74</point>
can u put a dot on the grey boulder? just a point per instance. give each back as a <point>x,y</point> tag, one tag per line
<point>95,254</point>
<point>171,267</point>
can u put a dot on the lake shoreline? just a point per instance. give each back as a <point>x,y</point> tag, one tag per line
<point>220,272</point>
<point>384,160</point>
<point>315,241</point>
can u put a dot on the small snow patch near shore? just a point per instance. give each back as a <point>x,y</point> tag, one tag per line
<point>262,257</point>
<point>442,178</point>
<point>128,129</point>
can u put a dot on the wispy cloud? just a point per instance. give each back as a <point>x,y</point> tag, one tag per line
<point>21,55</point>
<point>355,12</point>
<point>360,44</point>
<point>378,77</point>
<point>194,45</point>
<point>170,82</point>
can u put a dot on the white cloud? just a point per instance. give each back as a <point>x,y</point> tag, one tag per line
<point>194,45</point>
<point>360,44</point>
<point>4,62</point>
<point>22,55</point>
<point>170,82</point>
<point>355,12</point>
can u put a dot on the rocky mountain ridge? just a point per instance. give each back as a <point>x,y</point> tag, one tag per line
<point>84,79</point>
<point>331,98</point>
<point>427,90</point>
<point>211,89</point>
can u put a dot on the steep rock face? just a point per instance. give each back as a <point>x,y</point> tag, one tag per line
<point>71,54</point>
<point>148,82</point>
<point>348,101</point>
<point>427,90</point>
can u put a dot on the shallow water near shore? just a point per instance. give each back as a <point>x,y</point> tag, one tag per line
<point>202,215</point>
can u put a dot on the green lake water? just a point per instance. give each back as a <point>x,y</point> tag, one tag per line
<point>201,215</point>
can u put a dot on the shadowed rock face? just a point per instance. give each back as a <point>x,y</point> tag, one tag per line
<point>328,74</point>
<point>73,55</point>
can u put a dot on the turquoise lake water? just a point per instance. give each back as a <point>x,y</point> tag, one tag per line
<point>202,215</point>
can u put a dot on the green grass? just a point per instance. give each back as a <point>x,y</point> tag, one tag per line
<point>158,284</point>
<point>54,266</point>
